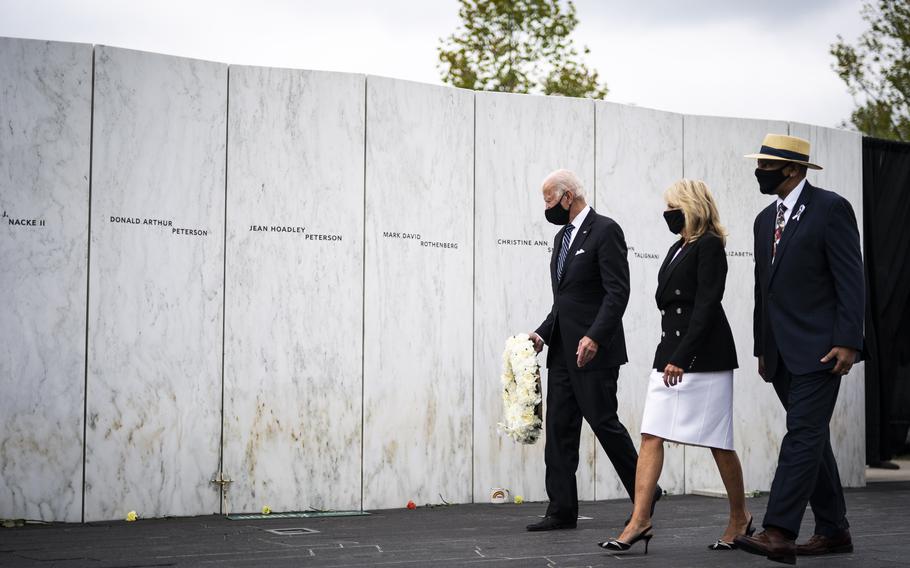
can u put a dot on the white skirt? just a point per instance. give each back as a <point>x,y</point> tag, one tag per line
<point>697,411</point>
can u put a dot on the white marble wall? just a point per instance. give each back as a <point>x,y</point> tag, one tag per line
<point>713,152</point>
<point>294,283</point>
<point>361,363</point>
<point>45,110</point>
<point>155,290</point>
<point>417,384</point>
<point>840,153</point>
<point>639,154</point>
<point>519,140</point>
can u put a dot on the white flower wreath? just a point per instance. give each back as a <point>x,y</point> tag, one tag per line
<point>521,393</point>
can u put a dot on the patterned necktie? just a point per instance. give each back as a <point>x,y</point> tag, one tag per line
<point>566,238</point>
<point>778,229</point>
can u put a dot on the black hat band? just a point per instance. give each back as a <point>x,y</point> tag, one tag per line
<point>786,154</point>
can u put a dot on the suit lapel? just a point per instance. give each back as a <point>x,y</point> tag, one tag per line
<point>672,251</point>
<point>766,235</point>
<point>792,226</point>
<point>580,237</point>
<point>669,266</point>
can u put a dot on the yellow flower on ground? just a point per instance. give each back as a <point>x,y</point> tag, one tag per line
<point>266,510</point>
<point>131,516</point>
<point>519,499</point>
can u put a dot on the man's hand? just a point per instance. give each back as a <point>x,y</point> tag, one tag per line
<point>587,349</point>
<point>537,340</point>
<point>761,367</point>
<point>672,375</point>
<point>845,357</point>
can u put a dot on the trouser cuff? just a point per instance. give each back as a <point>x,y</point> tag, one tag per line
<point>832,531</point>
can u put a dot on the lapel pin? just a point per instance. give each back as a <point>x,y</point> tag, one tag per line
<point>799,211</point>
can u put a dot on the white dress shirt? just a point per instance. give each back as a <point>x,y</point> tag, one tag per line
<point>790,202</point>
<point>579,219</point>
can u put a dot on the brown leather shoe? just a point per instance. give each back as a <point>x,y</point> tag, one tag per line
<point>820,544</point>
<point>771,543</point>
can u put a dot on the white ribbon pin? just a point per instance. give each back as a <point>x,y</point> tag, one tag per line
<point>800,211</point>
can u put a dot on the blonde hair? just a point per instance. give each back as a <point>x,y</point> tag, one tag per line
<point>698,207</point>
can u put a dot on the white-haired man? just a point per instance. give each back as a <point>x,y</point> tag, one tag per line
<point>590,277</point>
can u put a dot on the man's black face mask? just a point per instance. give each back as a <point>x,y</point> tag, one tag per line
<point>556,214</point>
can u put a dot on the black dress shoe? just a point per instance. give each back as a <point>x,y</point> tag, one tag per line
<point>657,495</point>
<point>551,524</point>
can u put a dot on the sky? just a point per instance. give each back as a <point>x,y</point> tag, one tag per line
<point>765,59</point>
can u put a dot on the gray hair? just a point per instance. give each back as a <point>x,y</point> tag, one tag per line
<point>563,181</point>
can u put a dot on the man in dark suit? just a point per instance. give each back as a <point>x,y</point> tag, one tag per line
<point>808,329</point>
<point>590,279</point>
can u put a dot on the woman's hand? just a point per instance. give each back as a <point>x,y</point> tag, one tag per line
<point>672,375</point>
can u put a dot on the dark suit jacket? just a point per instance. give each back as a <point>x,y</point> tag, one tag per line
<point>812,297</point>
<point>592,295</point>
<point>695,334</point>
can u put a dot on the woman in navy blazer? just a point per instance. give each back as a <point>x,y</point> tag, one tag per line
<point>690,392</point>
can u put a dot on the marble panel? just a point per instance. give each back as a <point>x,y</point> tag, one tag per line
<point>156,279</point>
<point>840,153</point>
<point>639,154</point>
<point>294,283</point>
<point>45,110</point>
<point>713,152</point>
<point>417,380</point>
<point>519,140</point>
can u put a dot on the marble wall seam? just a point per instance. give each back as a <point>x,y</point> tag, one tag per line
<point>363,283</point>
<point>473,290</point>
<point>88,286</point>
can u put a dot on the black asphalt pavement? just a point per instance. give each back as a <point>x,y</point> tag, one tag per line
<point>478,535</point>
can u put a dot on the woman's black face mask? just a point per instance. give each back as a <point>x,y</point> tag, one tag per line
<point>676,220</point>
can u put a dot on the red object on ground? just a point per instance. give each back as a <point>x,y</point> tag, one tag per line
<point>411,505</point>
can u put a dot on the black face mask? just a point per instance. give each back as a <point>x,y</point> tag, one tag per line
<point>556,214</point>
<point>769,180</point>
<point>676,220</point>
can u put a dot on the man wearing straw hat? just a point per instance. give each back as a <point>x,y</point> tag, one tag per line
<point>808,330</point>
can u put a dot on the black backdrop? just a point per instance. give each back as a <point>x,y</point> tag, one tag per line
<point>886,240</point>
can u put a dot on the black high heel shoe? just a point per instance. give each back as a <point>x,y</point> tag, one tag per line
<point>620,546</point>
<point>724,545</point>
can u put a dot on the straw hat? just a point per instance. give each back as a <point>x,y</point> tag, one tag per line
<point>785,148</point>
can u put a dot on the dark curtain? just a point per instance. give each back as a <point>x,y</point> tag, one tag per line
<point>886,240</point>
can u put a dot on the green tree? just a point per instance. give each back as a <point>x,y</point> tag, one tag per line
<point>877,70</point>
<point>517,46</point>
